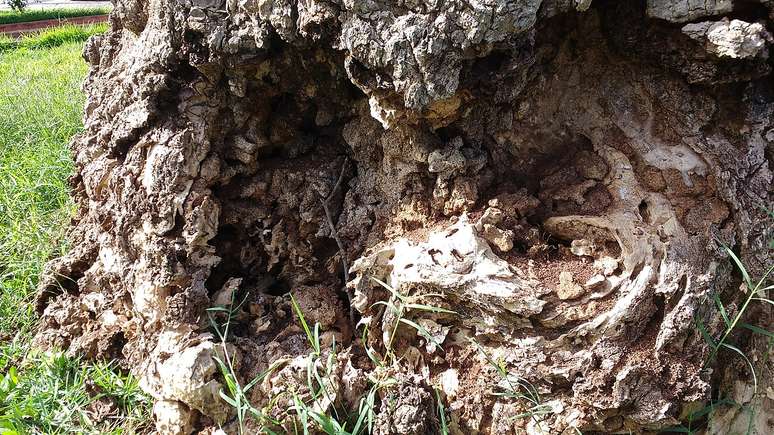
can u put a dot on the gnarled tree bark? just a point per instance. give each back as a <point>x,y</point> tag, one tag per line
<point>560,174</point>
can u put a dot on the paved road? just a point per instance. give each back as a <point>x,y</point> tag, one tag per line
<point>59,4</point>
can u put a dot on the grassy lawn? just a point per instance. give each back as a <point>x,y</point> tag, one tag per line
<point>40,110</point>
<point>40,106</point>
<point>51,38</point>
<point>11,17</point>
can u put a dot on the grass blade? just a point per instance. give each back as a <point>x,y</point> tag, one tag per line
<point>309,335</point>
<point>678,429</point>
<point>261,376</point>
<point>441,413</point>
<point>696,415</point>
<point>430,308</point>
<point>768,301</point>
<point>739,266</point>
<point>761,331</point>
<point>722,309</point>
<point>422,331</point>
<point>749,363</point>
<point>394,292</point>
<point>703,330</point>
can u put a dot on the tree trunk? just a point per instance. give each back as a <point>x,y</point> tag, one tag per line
<point>552,183</point>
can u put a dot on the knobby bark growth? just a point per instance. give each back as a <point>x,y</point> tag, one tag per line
<point>559,174</point>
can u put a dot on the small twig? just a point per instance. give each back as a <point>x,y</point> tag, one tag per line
<point>335,234</point>
<point>338,182</point>
<point>329,217</point>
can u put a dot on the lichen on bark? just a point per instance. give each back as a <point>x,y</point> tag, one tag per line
<point>562,175</point>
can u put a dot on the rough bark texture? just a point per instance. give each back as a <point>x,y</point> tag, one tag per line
<point>560,174</point>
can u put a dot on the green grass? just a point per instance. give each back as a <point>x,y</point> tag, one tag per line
<point>11,17</point>
<point>514,388</point>
<point>53,37</point>
<point>56,394</point>
<point>40,110</point>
